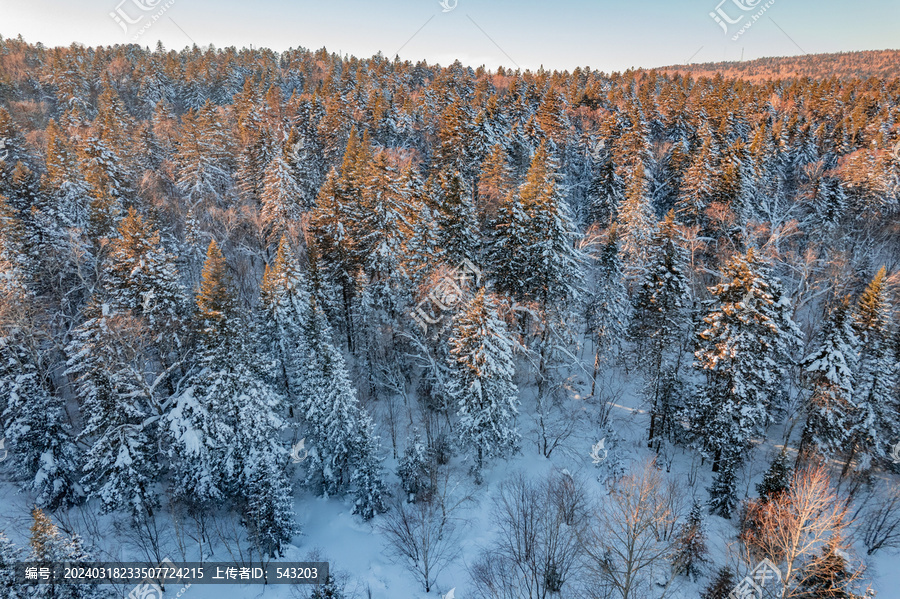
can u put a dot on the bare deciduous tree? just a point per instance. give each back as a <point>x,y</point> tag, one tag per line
<point>878,519</point>
<point>425,535</point>
<point>537,552</point>
<point>798,529</point>
<point>629,539</point>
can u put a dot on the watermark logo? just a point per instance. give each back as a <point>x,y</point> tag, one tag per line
<point>599,451</point>
<point>146,590</point>
<point>3,451</point>
<point>751,587</point>
<point>595,149</point>
<point>4,152</point>
<point>132,15</point>
<point>446,294</point>
<point>749,300</point>
<point>725,20</point>
<point>895,453</point>
<point>448,5</point>
<point>147,302</point>
<point>151,588</point>
<point>296,456</point>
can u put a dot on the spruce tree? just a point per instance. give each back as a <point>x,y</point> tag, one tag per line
<point>284,302</point>
<point>10,555</point>
<point>659,321</point>
<point>777,478</point>
<point>690,550</point>
<point>744,347</point>
<point>608,308</point>
<point>281,197</point>
<point>224,426</point>
<point>829,371</point>
<point>481,382</point>
<point>637,223</point>
<point>875,420</point>
<point>721,586</point>
<point>457,226</point>
<point>415,470</point>
<point>49,544</point>
<point>551,266</point>
<point>345,446</point>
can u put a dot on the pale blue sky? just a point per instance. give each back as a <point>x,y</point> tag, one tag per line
<point>559,34</point>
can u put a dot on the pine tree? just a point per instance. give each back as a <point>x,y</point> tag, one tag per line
<point>137,317</point>
<point>225,427</point>
<point>140,276</point>
<point>697,186</point>
<point>37,431</point>
<point>106,356</point>
<point>636,222</point>
<point>415,470</point>
<point>284,302</point>
<point>481,381</point>
<point>494,182</point>
<point>874,419</point>
<point>281,197</point>
<point>608,309</point>
<point>202,160</point>
<point>551,269</point>
<point>744,349</point>
<point>508,246</point>
<point>33,416</point>
<point>606,192</point>
<point>49,544</point>
<point>777,478</point>
<point>828,574</point>
<point>691,551</point>
<point>458,229</point>
<point>660,318</point>
<point>329,590</point>
<point>10,555</point>
<point>345,446</point>
<point>829,371</point>
<point>722,586</point>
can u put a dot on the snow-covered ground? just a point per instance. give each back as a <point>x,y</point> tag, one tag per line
<point>357,552</point>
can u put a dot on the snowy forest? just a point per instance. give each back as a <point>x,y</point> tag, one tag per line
<point>503,334</point>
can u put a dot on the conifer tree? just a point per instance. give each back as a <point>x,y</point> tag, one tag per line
<point>140,276</point>
<point>345,446</point>
<point>721,586</point>
<point>777,478</point>
<point>874,421</point>
<point>281,197</point>
<point>415,470</point>
<point>202,158</point>
<point>494,182</point>
<point>10,555</point>
<point>105,357</point>
<point>50,545</point>
<point>660,318</point>
<point>32,415</point>
<point>636,222</point>
<point>284,303</point>
<point>829,371</point>
<point>225,426</point>
<point>481,382</point>
<point>697,186</point>
<point>457,226</point>
<point>550,268</point>
<point>745,345</point>
<point>608,309</point>
<point>691,551</point>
